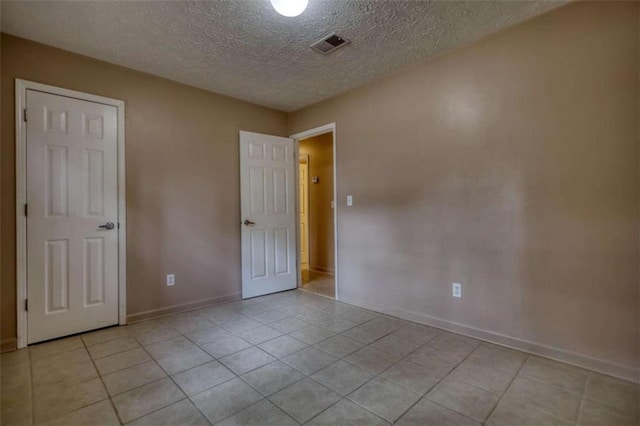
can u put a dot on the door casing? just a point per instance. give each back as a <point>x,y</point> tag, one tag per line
<point>297,137</point>
<point>21,87</point>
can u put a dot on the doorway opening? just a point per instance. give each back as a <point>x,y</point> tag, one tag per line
<point>316,212</point>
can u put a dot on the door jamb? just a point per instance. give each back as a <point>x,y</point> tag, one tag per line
<point>21,87</point>
<point>316,131</point>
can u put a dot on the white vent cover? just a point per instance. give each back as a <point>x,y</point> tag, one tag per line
<point>329,43</point>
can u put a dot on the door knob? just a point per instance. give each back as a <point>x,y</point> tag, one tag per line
<point>247,222</point>
<point>108,225</point>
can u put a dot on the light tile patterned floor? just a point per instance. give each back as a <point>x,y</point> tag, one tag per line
<point>294,358</point>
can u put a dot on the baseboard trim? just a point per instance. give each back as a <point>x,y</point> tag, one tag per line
<point>579,360</point>
<point>8,345</point>
<point>182,307</point>
<point>321,270</point>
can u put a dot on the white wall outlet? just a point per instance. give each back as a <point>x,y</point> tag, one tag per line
<point>349,200</point>
<point>171,280</point>
<point>457,289</point>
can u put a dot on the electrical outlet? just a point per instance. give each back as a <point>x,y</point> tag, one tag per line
<point>171,280</point>
<point>349,200</point>
<point>457,289</point>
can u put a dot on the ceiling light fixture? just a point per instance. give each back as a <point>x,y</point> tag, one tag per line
<point>289,8</point>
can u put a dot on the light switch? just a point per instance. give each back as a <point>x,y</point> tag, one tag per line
<point>456,289</point>
<point>349,200</point>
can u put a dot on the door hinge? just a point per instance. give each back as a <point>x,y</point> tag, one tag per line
<point>24,115</point>
<point>26,304</point>
<point>26,210</point>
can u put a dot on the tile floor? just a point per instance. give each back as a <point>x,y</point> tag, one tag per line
<point>319,283</point>
<point>295,358</point>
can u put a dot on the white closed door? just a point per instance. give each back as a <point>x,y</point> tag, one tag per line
<point>72,216</point>
<point>268,216</point>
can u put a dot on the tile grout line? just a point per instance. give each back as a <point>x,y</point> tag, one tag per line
<point>582,399</point>
<point>551,385</point>
<point>439,381</point>
<point>105,356</point>
<point>341,399</point>
<point>172,380</point>
<point>106,390</point>
<point>264,397</point>
<point>315,381</point>
<point>32,390</point>
<point>79,335</point>
<point>544,410</point>
<point>506,389</point>
<point>151,359</point>
<point>375,375</point>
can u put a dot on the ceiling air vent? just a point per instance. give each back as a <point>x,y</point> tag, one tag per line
<point>328,44</point>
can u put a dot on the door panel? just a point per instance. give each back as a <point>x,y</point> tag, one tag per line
<point>94,184</point>
<point>56,272</point>
<point>93,271</point>
<point>267,195</point>
<point>72,266</point>
<point>282,250</point>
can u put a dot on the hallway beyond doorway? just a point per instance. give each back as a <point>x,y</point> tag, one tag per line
<point>318,283</point>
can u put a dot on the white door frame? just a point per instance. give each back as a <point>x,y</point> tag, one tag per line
<point>21,87</point>
<point>331,127</point>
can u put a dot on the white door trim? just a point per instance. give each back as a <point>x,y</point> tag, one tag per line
<point>331,127</point>
<point>21,87</point>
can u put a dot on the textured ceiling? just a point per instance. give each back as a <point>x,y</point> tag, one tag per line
<point>244,49</point>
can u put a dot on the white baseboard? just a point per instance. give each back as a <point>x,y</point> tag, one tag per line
<point>182,307</point>
<point>321,269</point>
<point>584,361</point>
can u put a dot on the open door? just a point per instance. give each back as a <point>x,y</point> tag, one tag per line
<point>268,214</point>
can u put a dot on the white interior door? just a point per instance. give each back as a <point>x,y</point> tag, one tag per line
<point>267,198</point>
<point>303,193</point>
<point>72,220</point>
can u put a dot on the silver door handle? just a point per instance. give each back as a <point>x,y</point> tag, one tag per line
<point>108,225</point>
<point>247,222</point>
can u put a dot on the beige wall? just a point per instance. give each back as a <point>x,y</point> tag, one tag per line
<point>510,166</point>
<point>320,152</point>
<point>182,176</point>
